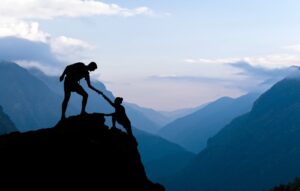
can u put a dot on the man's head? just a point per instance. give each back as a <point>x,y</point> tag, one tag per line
<point>118,100</point>
<point>92,66</point>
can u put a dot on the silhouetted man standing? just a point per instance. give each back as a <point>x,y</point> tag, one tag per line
<point>74,73</point>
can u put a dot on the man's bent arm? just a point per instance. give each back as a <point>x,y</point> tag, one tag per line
<point>61,78</point>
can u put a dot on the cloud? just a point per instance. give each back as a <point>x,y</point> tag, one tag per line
<point>211,61</point>
<point>275,60</point>
<point>260,72</point>
<point>240,84</point>
<point>46,69</point>
<point>39,48</point>
<point>22,29</point>
<point>64,48</point>
<point>247,78</point>
<point>267,61</point>
<point>30,54</point>
<point>295,47</point>
<point>49,9</point>
<point>48,57</point>
<point>12,48</point>
<point>190,79</point>
<point>68,49</point>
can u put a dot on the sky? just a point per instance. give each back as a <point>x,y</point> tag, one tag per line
<point>160,54</point>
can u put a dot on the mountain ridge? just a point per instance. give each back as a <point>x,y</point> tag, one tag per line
<point>260,148</point>
<point>193,131</point>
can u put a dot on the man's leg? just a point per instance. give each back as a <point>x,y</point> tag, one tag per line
<point>113,118</point>
<point>84,95</point>
<point>65,104</point>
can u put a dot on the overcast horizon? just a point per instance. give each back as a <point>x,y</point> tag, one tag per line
<point>164,55</point>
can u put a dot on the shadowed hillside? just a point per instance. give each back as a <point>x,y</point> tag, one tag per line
<point>193,131</point>
<point>254,152</point>
<point>161,158</point>
<point>79,151</point>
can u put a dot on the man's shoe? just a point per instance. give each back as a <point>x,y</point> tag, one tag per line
<point>83,113</point>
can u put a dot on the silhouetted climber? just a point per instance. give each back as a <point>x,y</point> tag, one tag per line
<point>74,73</point>
<point>119,115</point>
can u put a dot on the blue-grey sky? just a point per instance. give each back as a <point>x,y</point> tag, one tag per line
<point>161,54</point>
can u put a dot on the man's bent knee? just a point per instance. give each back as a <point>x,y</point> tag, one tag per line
<point>85,95</point>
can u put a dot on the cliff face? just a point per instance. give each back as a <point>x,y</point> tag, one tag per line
<point>79,151</point>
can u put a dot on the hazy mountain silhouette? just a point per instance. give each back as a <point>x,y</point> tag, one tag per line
<point>27,100</point>
<point>6,125</point>
<point>79,151</point>
<point>180,113</point>
<point>162,118</point>
<point>95,102</point>
<point>193,131</point>
<point>255,151</point>
<point>156,117</point>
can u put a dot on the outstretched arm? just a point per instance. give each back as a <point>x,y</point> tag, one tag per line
<point>107,99</point>
<point>88,81</point>
<point>109,114</point>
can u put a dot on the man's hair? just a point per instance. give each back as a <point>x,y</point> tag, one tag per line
<point>92,65</point>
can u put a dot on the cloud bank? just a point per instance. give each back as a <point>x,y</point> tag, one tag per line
<point>19,20</point>
<point>248,77</point>
<point>49,9</point>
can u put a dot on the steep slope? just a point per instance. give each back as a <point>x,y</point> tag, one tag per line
<point>193,131</point>
<point>6,125</point>
<point>79,151</point>
<point>255,151</point>
<point>27,100</point>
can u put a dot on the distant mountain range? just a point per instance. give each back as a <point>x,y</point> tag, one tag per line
<point>180,113</point>
<point>255,151</point>
<point>193,131</point>
<point>28,101</point>
<point>162,118</point>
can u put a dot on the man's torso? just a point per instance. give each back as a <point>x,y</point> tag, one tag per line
<point>76,72</point>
